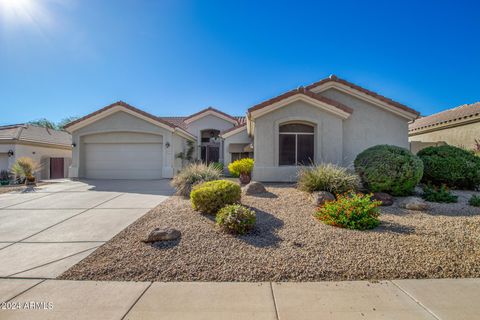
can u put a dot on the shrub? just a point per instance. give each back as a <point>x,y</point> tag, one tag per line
<point>389,169</point>
<point>438,194</point>
<point>241,166</point>
<point>218,165</point>
<point>4,175</point>
<point>327,177</point>
<point>452,166</point>
<point>209,197</point>
<point>351,211</point>
<point>474,201</point>
<point>24,168</point>
<point>193,174</point>
<point>236,218</point>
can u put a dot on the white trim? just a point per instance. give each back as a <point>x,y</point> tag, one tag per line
<point>233,132</point>
<point>365,97</point>
<point>299,96</point>
<point>210,112</point>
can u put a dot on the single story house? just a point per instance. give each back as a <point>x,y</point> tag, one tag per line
<point>52,149</point>
<point>459,127</point>
<point>328,121</point>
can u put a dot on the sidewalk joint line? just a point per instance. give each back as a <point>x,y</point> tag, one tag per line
<point>28,289</point>
<point>416,300</point>
<point>274,301</point>
<point>135,302</point>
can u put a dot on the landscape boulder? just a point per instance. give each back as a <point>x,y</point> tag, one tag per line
<point>414,203</point>
<point>385,198</point>
<point>162,234</point>
<point>320,197</point>
<point>253,188</point>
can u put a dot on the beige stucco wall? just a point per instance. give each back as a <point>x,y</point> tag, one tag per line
<point>240,137</point>
<point>122,122</point>
<point>368,125</point>
<point>461,136</point>
<point>328,137</point>
<point>40,154</point>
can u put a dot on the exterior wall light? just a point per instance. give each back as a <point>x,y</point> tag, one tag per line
<point>167,145</point>
<point>74,145</point>
<point>10,153</point>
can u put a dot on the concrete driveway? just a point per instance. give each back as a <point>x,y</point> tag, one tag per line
<point>45,231</point>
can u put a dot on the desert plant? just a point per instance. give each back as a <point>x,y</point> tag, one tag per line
<point>327,177</point>
<point>236,218</point>
<point>351,211</point>
<point>187,154</point>
<point>474,201</point>
<point>438,194</point>
<point>4,177</point>
<point>242,168</point>
<point>193,174</point>
<point>25,168</point>
<point>390,169</point>
<point>218,165</point>
<point>452,166</point>
<point>209,197</point>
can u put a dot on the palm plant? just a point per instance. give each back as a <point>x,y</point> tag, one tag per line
<point>24,169</point>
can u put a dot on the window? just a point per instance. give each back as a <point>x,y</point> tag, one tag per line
<point>296,144</point>
<point>241,155</point>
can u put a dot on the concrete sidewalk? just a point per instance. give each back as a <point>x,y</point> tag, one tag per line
<point>399,299</point>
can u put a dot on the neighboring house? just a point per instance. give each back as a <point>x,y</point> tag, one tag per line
<point>329,121</point>
<point>459,126</point>
<point>52,149</point>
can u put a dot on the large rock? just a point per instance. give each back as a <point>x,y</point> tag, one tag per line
<point>320,197</point>
<point>162,234</point>
<point>253,188</point>
<point>385,198</point>
<point>414,203</point>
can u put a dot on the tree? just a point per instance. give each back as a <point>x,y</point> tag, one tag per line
<point>52,125</point>
<point>61,125</point>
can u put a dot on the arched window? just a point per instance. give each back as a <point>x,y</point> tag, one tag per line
<point>296,144</point>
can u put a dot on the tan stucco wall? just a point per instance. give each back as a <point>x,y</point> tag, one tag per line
<point>328,139</point>
<point>122,122</point>
<point>240,137</point>
<point>40,154</point>
<point>368,125</point>
<point>460,136</point>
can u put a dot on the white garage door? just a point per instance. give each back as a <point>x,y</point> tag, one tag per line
<point>136,158</point>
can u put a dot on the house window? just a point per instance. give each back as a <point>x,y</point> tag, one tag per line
<point>296,144</point>
<point>241,155</point>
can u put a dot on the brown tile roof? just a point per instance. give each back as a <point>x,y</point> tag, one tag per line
<point>334,78</point>
<point>210,109</point>
<point>180,121</point>
<point>234,128</point>
<point>123,104</point>
<point>459,113</point>
<point>303,91</point>
<point>34,133</point>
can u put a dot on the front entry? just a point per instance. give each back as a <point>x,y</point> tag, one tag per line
<point>57,170</point>
<point>210,153</point>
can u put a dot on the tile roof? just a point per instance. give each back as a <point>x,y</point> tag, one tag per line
<point>234,128</point>
<point>180,121</point>
<point>34,133</point>
<point>334,78</point>
<point>210,109</point>
<point>459,113</point>
<point>303,91</point>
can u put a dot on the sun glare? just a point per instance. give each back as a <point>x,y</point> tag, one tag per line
<point>14,12</point>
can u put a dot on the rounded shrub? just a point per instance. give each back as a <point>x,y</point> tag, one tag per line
<point>209,197</point>
<point>238,167</point>
<point>236,218</point>
<point>455,167</point>
<point>390,169</point>
<point>327,177</point>
<point>351,211</point>
<point>193,174</point>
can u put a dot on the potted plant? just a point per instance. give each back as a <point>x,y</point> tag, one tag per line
<point>243,169</point>
<point>24,170</point>
<point>4,178</point>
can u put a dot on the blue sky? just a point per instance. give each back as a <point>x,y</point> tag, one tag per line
<point>71,57</point>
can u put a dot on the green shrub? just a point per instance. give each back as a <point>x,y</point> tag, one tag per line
<point>474,201</point>
<point>327,177</point>
<point>452,166</point>
<point>351,211</point>
<point>236,218</point>
<point>193,174</point>
<point>241,166</point>
<point>218,165</point>
<point>209,197</point>
<point>24,168</point>
<point>438,194</point>
<point>389,169</point>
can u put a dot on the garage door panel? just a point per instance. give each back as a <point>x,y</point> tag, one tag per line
<point>123,160</point>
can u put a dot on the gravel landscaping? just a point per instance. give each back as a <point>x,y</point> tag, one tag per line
<point>288,244</point>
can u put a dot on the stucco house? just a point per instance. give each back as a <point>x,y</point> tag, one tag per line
<point>459,127</point>
<point>328,121</point>
<point>52,149</point>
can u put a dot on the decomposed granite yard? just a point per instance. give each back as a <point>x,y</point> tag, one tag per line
<point>288,244</point>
